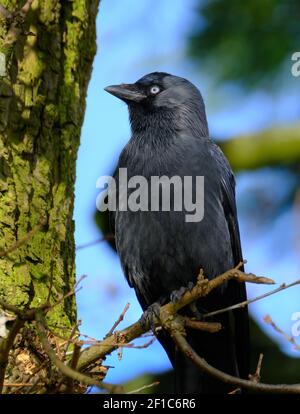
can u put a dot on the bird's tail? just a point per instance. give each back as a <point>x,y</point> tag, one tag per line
<point>218,349</point>
<point>225,350</point>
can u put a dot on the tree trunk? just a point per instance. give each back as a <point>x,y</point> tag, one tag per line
<point>46,54</point>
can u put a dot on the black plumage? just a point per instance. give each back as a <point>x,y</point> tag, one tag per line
<point>159,251</point>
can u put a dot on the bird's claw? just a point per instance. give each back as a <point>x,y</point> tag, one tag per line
<point>176,295</point>
<point>190,286</point>
<point>149,316</point>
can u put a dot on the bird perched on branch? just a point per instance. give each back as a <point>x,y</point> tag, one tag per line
<point>161,252</point>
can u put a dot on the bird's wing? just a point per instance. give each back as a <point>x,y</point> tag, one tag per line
<point>112,215</point>
<point>237,291</point>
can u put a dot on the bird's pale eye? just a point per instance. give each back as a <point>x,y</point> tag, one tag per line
<point>154,90</point>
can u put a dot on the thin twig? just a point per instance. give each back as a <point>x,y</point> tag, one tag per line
<point>108,237</point>
<point>118,321</point>
<point>252,377</point>
<point>169,320</point>
<point>22,241</point>
<point>21,384</point>
<point>146,345</point>
<point>202,288</point>
<point>256,376</point>
<point>73,365</point>
<point>235,391</point>
<point>24,314</point>
<point>289,338</point>
<point>11,308</point>
<point>65,369</point>
<point>143,388</point>
<point>247,302</point>
<point>67,295</point>
<point>70,340</point>
<point>70,329</point>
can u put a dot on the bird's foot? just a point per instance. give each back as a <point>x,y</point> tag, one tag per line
<point>149,316</point>
<point>195,311</point>
<point>176,295</point>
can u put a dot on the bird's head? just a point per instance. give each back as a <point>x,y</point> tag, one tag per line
<point>165,96</point>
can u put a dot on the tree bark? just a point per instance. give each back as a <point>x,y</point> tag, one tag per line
<point>46,58</point>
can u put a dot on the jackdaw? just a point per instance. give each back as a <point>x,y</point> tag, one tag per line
<point>161,252</point>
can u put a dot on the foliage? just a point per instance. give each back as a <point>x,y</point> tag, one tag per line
<point>245,41</point>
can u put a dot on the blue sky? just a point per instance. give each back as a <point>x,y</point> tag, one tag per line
<point>135,38</point>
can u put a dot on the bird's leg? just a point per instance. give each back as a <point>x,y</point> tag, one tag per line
<point>176,295</point>
<point>150,314</point>
<point>193,308</point>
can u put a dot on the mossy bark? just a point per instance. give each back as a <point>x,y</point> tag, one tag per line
<point>42,103</point>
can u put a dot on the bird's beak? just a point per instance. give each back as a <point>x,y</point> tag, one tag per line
<point>126,92</point>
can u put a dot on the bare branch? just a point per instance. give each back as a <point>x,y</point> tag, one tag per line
<point>168,320</point>
<point>202,288</point>
<point>65,369</point>
<point>24,314</point>
<point>247,302</point>
<point>211,327</point>
<point>20,384</point>
<point>118,321</point>
<point>68,294</point>
<point>107,237</point>
<point>22,241</point>
<point>74,332</point>
<point>256,376</point>
<point>143,388</point>
<point>184,346</point>
<point>145,345</point>
<point>289,338</point>
<point>73,365</point>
